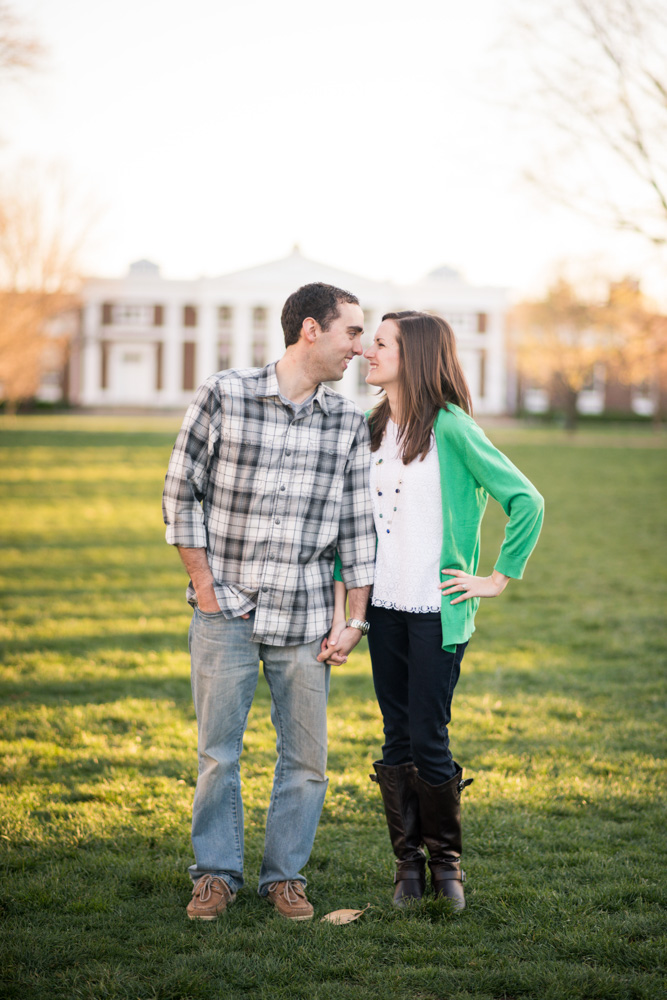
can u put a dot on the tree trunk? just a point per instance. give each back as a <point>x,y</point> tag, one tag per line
<point>656,393</point>
<point>571,413</point>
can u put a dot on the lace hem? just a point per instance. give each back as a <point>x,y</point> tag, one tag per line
<point>395,607</point>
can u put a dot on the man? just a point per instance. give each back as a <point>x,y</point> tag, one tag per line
<point>268,477</point>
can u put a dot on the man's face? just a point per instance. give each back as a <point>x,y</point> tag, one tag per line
<point>337,346</point>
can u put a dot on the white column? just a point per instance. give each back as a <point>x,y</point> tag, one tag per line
<point>495,362</point>
<point>469,358</point>
<point>91,355</point>
<point>242,337</point>
<point>275,347</point>
<point>206,354</point>
<point>173,355</point>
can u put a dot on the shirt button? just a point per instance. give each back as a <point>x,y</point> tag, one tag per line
<point>277,520</point>
<point>288,452</point>
<point>265,590</point>
<point>282,488</point>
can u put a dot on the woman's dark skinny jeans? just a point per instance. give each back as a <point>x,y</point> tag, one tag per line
<point>414,680</point>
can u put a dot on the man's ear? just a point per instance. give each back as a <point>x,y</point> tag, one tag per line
<point>310,328</point>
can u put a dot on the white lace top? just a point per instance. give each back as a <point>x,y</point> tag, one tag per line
<point>407,567</point>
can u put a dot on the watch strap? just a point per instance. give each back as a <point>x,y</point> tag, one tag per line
<point>358,623</point>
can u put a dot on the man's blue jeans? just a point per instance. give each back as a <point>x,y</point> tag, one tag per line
<point>225,670</point>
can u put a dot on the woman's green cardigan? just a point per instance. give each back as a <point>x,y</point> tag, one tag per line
<point>471,470</point>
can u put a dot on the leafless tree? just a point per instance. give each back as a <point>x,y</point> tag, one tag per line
<point>557,344</point>
<point>641,355</point>
<point>560,339</point>
<point>20,51</point>
<point>592,77</point>
<point>43,231</point>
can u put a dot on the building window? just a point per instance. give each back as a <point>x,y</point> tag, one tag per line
<point>591,399</point>
<point>107,310</point>
<point>596,379</point>
<point>224,353</point>
<point>132,314</point>
<point>158,315</point>
<point>481,322</point>
<point>258,353</point>
<point>643,399</point>
<point>462,323</point>
<point>159,365</point>
<point>260,317</point>
<point>104,365</point>
<point>189,316</point>
<point>189,350</point>
<point>225,319</point>
<point>482,374</point>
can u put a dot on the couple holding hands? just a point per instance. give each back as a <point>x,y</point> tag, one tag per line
<point>297,517</point>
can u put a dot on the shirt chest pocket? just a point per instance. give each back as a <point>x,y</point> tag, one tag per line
<point>328,487</point>
<point>240,454</point>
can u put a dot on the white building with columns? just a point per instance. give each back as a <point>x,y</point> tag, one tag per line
<point>148,341</point>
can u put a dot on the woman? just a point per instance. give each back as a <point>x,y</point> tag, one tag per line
<point>431,474</point>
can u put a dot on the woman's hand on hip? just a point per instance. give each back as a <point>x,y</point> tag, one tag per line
<point>469,586</point>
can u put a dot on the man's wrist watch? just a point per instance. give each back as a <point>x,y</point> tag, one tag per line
<point>357,623</point>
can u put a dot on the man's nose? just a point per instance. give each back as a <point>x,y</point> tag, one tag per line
<point>358,349</point>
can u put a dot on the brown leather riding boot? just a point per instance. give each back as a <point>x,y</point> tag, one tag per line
<point>440,817</point>
<point>401,807</point>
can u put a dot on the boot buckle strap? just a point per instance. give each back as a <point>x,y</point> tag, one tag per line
<point>464,784</point>
<point>404,874</point>
<point>450,875</point>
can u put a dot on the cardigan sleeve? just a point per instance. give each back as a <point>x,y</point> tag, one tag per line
<point>522,503</point>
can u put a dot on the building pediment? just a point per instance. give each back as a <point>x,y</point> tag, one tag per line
<point>293,271</point>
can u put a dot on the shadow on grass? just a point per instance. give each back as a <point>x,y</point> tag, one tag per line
<point>20,438</point>
<point>89,644</point>
<point>96,691</point>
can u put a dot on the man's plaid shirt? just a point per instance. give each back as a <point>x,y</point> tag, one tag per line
<point>271,496</point>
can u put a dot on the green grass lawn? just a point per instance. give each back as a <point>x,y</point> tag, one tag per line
<point>559,717</point>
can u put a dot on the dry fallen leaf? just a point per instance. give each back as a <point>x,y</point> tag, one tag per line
<point>343,916</point>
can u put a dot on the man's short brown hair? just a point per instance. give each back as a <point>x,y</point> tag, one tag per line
<point>317,301</point>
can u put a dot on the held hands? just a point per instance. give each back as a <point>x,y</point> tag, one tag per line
<point>340,641</point>
<point>472,586</point>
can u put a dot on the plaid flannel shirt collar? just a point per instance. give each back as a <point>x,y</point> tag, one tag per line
<point>267,385</point>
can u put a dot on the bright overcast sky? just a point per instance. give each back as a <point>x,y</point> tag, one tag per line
<point>218,133</point>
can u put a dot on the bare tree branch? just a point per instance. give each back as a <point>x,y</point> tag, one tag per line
<point>598,76</point>
<point>561,339</point>
<point>19,50</point>
<point>44,228</point>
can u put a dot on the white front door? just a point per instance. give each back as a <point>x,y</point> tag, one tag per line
<point>132,373</point>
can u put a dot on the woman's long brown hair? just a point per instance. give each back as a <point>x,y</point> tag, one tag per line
<point>430,377</point>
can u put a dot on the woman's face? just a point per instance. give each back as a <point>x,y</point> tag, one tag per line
<point>383,356</point>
